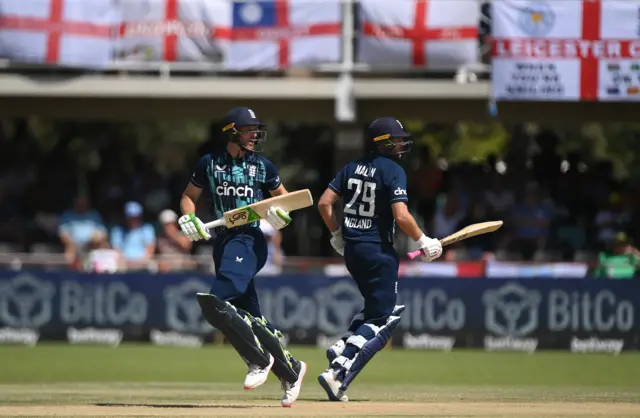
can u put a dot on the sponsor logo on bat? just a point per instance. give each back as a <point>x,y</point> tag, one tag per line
<point>238,216</point>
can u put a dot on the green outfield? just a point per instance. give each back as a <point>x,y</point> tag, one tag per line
<point>144,380</point>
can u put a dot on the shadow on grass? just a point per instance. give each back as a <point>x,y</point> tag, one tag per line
<point>184,406</point>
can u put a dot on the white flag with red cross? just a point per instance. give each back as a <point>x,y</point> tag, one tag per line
<point>174,30</point>
<point>75,33</point>
<point>566,50</point>
<point>276,34</point>
<point>433,34</point>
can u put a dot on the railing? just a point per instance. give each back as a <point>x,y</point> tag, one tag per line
<point>304,265</point>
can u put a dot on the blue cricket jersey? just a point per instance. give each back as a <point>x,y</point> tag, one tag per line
<point>235,182</point>
<point>368,187</point>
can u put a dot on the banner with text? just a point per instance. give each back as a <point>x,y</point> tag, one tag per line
<point>434,34</point>
<point>497,314</point>
<point>566,50</point>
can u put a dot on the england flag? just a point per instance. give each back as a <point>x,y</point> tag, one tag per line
<point>78,33</point>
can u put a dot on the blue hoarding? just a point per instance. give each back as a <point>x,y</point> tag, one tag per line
<point>526,315</point>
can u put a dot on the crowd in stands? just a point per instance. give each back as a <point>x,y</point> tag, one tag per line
<point>555,208</point>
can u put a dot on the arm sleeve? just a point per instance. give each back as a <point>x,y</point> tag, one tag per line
<point>98,223</point>
<point>63,226</point>
<point>116,238</point>
<point>149,235</point>
<point>336,183</point>
<point>397,186</point>
<point>272,180</point>
<point>199,176</point>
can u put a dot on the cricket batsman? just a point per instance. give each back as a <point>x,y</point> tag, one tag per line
<point>374,194</point>
<point>238,176</point>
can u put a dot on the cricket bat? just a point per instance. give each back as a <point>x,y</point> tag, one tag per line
<point>256,211</point>
<point>466,232</point>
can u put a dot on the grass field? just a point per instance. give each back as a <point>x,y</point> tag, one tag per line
<point>143,380</point>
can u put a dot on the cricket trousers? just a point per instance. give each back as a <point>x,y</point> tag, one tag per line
<point>238,256</point>
<point>374,267</point>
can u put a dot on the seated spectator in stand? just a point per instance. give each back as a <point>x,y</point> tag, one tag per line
<point>136,241</point>
<point>275,255</point>
<point>481,246</point>
<point>499,198</point>
<point>609,220</point>
<point>173,246</point>
<point>619,261</point>
<point>81,230</point>
<point>446,220</point>
<point>531,221</point>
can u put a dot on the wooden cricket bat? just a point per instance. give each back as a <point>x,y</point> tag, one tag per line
<point>256,211</point>
<point>466,232</point>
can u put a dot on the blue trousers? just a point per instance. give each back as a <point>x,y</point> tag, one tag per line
<point>238,257</point>
<point>374,267</point>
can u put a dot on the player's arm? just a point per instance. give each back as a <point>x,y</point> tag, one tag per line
<point>406,222</point>
<point>276,216</point>
<point>191,226</point>
<point>189,198</point>
<point>325,206</point>
<point>280,190</point>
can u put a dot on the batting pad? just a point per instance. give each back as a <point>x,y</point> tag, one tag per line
<point>282,365</point>
<point>368,350</point>
<point>224,316</point>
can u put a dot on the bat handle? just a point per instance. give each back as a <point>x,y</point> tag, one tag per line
<point>215,224</point>
<point>415,254</point>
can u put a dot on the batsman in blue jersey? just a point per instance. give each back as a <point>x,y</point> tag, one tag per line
<point>374,198</point>
<point>237,176</point>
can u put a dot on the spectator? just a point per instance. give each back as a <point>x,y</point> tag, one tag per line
<point>136,241</point>
<point>531,221</point>
<point>81,230</point>
<point>447,218</point>
<point>609,220</point>
<point>173,246</point>
<point>619,261</point>
<point>446,221</point>
<point>275,255</point>
<point>499,198</point>
<point>480,246</point>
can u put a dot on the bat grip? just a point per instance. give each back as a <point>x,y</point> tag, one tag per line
<point>215,224</point>
<point>415,254</point>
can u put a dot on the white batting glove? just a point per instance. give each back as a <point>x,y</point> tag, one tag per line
<point>337,242</point>
<point>431,247</point>
<point>193,228</point>
<point>278,217</point>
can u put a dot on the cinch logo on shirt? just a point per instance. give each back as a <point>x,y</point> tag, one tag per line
<point>400,192</point>
<point>225,190</point>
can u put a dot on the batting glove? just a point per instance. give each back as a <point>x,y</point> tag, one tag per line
<point>337,242</point>
<point>431,248</point>
<point>278,217</point>
<point>193,228</point>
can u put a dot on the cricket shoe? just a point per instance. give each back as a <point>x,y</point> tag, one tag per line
<point>335,350</point>
<point>257,375</point>
<point>330,383</point>
<point>292,390</point>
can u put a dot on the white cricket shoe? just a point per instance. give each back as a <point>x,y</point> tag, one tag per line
<point>257,375</point>
<point>292,390</point>
<point>330,383</point>
<point>335,350</point>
